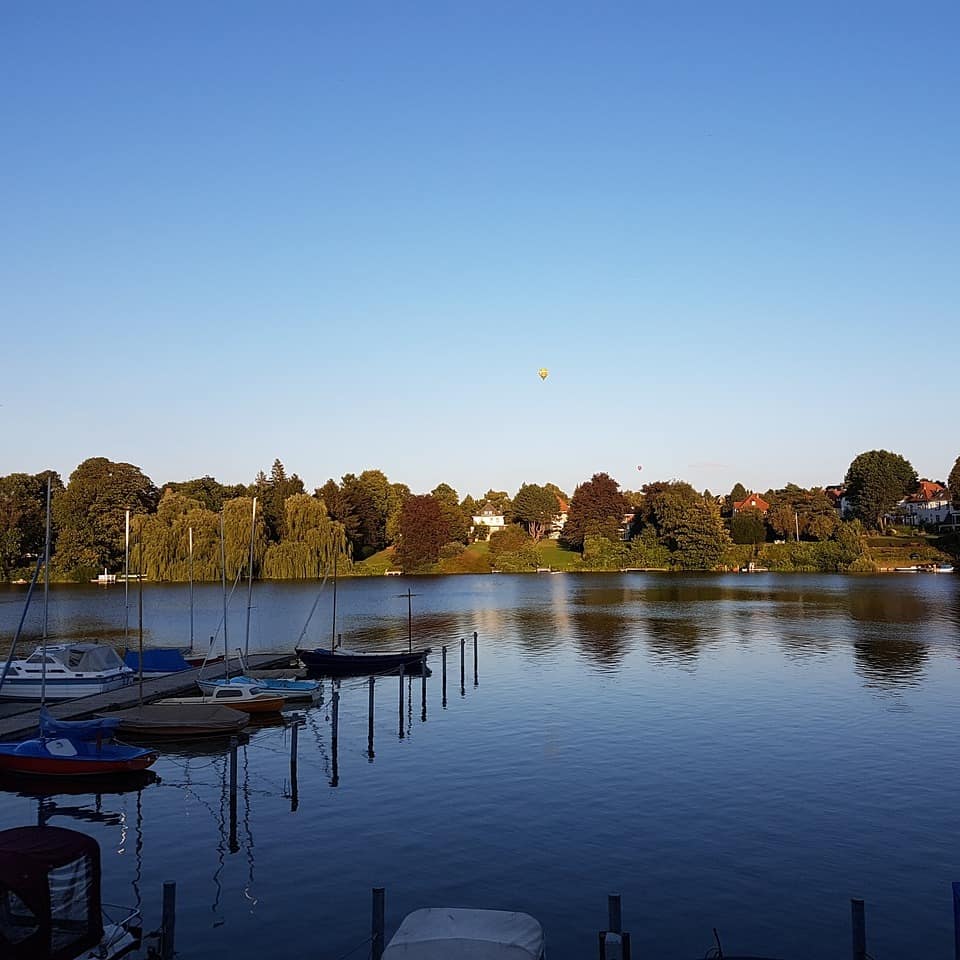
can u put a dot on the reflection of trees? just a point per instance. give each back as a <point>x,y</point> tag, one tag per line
<point>885,660</point>
<point>675,640</point>
<point>874,603</point>
<point>602,635</point>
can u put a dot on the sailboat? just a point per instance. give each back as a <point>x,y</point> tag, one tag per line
<point>65,748</point>
<point>289,688</point>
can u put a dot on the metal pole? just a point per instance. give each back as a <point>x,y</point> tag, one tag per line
<point>168,923</point>
<point>294,736</point>
<point>253,528</point>
<point>409,621</point>
<point>463,686</point>
<point>401,700</point>
<point>956,920</point>
<point>46,602</point>
<point>191,587</point>
<point>140,612</point>
<point>614,917</point>
<point>423,688</point>
<point>377,924</point>
<point>233,792</point>
<point>476,675</point>
<point>444,683</point>
<point>126,580</point>
<point>335,736</point>
<point>23,617</point>
<point>371,682</point>
<point>859,930</point>
<point>223,584</point>
<point>333,625</point>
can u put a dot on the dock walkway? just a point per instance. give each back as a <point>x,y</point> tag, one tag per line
<point>19,718</point>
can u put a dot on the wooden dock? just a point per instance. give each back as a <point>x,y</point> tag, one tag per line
<point>20,718</point>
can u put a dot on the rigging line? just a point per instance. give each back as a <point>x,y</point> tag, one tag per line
<point>23,617</point>
<point>313,609</point>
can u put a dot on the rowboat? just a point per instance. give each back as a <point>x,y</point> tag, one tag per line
<point>176,721</point>
<point>343,663</point>
<point>236,696</point>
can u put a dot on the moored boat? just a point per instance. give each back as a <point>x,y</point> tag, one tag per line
<point>239,696</point>
<point>288,688</point>
<point>71,670</point>
<point>74,749</point>
<point>340,663</point>
<point>179,720</point>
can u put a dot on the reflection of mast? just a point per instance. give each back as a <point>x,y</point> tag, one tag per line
<point>247,829</point>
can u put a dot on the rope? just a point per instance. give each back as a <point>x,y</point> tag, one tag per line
<point>343,956</point>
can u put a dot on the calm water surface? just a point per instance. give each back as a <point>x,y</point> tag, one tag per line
<point>745,752</point>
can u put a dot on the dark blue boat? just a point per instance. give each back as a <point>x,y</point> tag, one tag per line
<point>351,663</point>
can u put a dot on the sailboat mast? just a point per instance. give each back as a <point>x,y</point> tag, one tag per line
<point>126,581</point>
<point>191,587</point>
<point>140,605</point>
<point>46,603</point>
<point>253,527</point>
<point>223,582</point>
<point>333,627</point>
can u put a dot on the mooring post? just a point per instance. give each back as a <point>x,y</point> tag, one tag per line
<point>339,640</point>
<point>859,930</point>
<point>476,674</point>
<point>233,794</point>
<point>614,917</point>
<point>294,792</point>
<point>401,700</point>
<point>463,686</point>
<point>370,682</point>
<point>423,689</point>
<point>956,920</point>
<point>168,920</point>
<point>377,925</point>
<point>444,696</point>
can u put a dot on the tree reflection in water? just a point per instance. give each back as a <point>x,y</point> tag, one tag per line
<point>887,659</point>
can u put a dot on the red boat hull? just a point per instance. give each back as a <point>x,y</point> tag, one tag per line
<point>73,766</point>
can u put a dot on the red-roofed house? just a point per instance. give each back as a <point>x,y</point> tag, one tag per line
<point>929,503</point>
<point>752,501</point>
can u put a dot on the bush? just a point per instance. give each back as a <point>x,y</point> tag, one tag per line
<point>450,550</point>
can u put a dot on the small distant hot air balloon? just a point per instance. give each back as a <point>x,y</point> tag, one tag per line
<point>639,466</point>
<point>544,373</point>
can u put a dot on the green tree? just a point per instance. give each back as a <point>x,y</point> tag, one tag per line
<point>89,513</point>
<point>500,501</point>
<point>273,492</point>
<point>700,537</point>
<point>536,508</point>
<point>747,526</point>
<point>311,543</point>
<point>596,510</point>
<point>22,517</point>
<point>953,483</point>
<point>422,533</point>
<point>458,523</point>
<point>512,550</point>
<point>340,509</point>
<point>738,493</point>
<point>876,481</point>
<point>207,491</point>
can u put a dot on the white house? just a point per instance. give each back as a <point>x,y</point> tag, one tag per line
<point>491,518</point>
<point>929,505</point>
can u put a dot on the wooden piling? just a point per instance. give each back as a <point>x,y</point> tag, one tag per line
<point>400,685</point>
<point>463,686</point>
<point>168,920</point>
<point>476,673</point>
<point>370,682</point>
<point>859,923</point>
<point>444,692</point>
<point>956,920</point>
<point>377,924</point>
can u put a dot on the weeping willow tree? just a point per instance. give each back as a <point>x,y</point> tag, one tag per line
<point>311,542</point>
<point>165,539</point>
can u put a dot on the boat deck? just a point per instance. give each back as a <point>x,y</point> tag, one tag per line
<point>19,718</point>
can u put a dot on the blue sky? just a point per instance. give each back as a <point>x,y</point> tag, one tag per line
<point>348,235</point>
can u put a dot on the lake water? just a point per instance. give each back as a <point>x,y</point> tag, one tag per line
<point>740,752</point>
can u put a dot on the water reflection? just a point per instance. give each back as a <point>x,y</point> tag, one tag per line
<point>674,640</point>
<point>886,658</point>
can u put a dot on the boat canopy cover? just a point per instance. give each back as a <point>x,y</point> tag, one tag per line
<point>160,660</point>
<point>49,893</point>
<point>438,933</point>
<point>90,730</point>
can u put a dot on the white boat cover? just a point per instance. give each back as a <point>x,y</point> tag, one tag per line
<point>440,933</point>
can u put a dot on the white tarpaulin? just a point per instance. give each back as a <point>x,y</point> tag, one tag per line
<point>440,933</point>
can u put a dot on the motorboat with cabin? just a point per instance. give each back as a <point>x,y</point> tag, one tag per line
<point>71,670</point>
<point>236,696</point>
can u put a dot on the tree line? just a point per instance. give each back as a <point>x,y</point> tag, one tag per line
<point>297,534</point>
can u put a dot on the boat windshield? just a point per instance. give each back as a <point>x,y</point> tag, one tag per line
<point>94,659</point>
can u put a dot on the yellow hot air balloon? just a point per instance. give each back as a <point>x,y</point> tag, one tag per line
<point>544,373</point>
